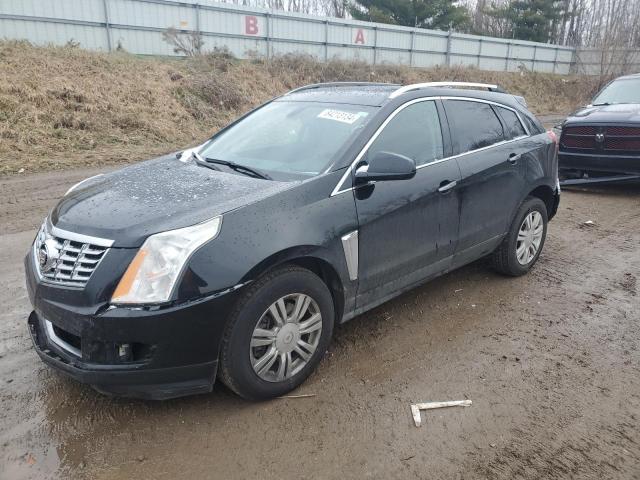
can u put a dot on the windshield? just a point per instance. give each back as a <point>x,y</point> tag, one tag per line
<point>289,140</point>
<point>620,91</point>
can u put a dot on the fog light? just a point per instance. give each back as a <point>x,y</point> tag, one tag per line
<point>124,352</point>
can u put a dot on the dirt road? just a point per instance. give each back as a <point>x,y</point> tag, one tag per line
<point>551,361</point>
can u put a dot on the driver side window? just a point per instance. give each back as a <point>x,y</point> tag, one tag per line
<point>414,132</point>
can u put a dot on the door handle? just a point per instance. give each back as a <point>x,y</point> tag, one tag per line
<point>514,157</point>
<point>446,185</point>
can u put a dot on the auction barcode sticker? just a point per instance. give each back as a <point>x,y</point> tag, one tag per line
<point>340,116</point>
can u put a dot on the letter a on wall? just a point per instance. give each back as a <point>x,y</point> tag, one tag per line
<point>359,37</point>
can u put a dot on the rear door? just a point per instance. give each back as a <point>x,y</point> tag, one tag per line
<point>493,173</point>
<point>408,228</point>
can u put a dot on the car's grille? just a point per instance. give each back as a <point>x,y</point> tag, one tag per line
<point>622,144</point>
<point>579,130</point>
<point>579,142</point>
<point>66,258</point>
<point>612,139</point>
<point>623,131</point>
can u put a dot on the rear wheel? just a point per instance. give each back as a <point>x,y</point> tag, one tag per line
<point>277,334</point>
<point>522,246</point>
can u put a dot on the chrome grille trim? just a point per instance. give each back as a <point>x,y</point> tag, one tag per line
<point>74,257</point>
<point>60,342</point>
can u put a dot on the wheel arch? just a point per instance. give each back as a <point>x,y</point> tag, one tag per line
<point>312,259</point>
<point>547,195</point>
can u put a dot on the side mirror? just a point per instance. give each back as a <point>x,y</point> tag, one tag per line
<point>386,166</point>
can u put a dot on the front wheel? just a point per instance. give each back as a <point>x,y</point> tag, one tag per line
<point>277,334</point>
<point>521,247</point>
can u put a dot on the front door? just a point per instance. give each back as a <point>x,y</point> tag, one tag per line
<point>407,228</point>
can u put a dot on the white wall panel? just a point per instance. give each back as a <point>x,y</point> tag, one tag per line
<point>400,40</point>
<point>39,33</point>
<point>88,10</point>
<point>434,43</point>
<point>392,57</point>
<point>138,26</point>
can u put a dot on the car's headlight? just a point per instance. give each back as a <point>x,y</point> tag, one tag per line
<point>155,270</point>
<point>83,181</point>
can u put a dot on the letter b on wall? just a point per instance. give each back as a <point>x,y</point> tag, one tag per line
<point>251,25</point>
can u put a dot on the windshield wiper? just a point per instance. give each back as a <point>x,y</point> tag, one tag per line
<point>240,168</point>
<point>202,162</point>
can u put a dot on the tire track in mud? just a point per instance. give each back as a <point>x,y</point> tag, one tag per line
<point>596,435</point>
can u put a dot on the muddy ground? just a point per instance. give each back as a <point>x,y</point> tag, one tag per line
<point>551,362</point>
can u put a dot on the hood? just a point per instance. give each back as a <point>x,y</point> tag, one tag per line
<point>617,113</point>
<point>162,194</point>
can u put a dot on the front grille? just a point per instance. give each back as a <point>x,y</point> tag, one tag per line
<point>66,258</point>
<point>622,144</point>
<point>623,131</point>
<point>587,130</point>
<point>579,142</point>
<point>616,140</point>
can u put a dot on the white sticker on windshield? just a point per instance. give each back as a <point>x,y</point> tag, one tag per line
<point>340,116</point>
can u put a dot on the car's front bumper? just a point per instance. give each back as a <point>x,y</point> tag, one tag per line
<point>146,353</point>
<point>599,162</point>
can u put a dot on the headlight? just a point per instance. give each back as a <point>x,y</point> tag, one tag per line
<point>80,183</point>
<point>155,270</point>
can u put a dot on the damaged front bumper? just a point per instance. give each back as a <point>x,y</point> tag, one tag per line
<point>155,353</point>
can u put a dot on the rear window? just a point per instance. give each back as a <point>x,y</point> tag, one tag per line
<point>474,124</point>
<point>512,126</point>
<point>533,126</point>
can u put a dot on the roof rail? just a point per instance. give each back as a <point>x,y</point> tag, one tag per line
<point>339,84</point>
<point>416,86</point>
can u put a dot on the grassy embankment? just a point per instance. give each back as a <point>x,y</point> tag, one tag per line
<point>64,107</point>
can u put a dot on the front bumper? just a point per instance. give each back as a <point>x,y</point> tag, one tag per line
<point>598,162</point>
<point>144,353</point>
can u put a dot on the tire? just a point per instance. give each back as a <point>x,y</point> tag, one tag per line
<point>505,258</point>
<point>250,370</point>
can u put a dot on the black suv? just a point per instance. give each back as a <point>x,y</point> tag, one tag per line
<point>237,258</point>
<point>602,140</point>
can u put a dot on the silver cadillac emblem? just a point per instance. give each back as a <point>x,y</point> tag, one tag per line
<point>599,137</point>
<point>48,255</point>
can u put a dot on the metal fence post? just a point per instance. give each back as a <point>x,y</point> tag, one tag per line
<point>535,54</point>
<point>412,36</point>
<point>555,61</point>
<point>506,60</point>
<point>197,7</point>
<point>106,25</point>
<point>479,52</point>
<point>198,34</point>
<point>267,33</point>
<point>375,43</point>
<point>326,40</point>
<point>449,49</point>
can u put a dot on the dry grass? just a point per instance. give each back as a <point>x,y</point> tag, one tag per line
<point>62,107</point>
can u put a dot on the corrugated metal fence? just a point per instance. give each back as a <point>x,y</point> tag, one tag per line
<point>137,26</point>
<point>593,61</point>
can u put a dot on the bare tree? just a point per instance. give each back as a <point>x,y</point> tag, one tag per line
<point>184,43</point>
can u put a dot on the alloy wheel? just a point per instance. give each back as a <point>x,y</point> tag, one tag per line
<point>285,337</point>
<point>529,237</point>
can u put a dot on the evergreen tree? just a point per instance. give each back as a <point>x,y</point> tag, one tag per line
<point>436,14</point>
<point>533,20</point>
